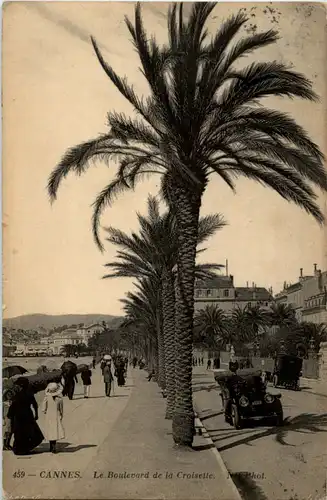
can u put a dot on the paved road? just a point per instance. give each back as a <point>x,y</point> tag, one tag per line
<point>287,463</point>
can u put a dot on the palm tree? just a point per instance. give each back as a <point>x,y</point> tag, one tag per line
<point>143,312</point>
<point>153,254</point>
<point>211,325</point>
<point>201,118</point>
<point>282,315</point>
<point>257,317</point>
<point>241,332</point>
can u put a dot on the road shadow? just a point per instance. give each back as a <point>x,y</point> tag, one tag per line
<point>247,487</point>
<point>305,423</point>
<point>205,387</point>
<point>211,415</point>
<point>203,447</point>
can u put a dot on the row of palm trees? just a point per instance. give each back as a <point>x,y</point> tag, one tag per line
<point>264,329</point>
<point>200,119</point>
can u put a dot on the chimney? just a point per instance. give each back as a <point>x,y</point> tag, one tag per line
<point>252,284</point>
<point>226,267</point>
<point>301,273</point>
<point>314,269</point>
<point>247,284</point>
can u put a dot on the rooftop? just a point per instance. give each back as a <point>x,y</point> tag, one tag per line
<point>246,294</point>
<point>218,282</point>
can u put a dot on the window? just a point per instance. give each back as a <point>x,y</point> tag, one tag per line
<point>226,293</point>
<point>209,293</point>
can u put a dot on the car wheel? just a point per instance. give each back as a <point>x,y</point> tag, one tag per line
<point>236,417</point>
<point>275,380</point>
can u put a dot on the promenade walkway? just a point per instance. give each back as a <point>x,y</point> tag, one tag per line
<point>109,441</point>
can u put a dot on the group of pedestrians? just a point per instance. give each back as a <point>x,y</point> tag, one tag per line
<point>21,413</point>
<point>120,366</point>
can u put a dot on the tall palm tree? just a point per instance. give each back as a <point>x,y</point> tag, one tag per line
<point>143,311</point>
<point>201,118</point>
<point>153,254</point>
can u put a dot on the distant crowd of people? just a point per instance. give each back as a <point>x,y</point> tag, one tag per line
<point>21,411</point>
<point>200,362</point>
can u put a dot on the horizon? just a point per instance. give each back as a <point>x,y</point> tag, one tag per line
<point>50,260</point>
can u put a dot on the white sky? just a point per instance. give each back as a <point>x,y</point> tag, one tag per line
<point>56,95</point>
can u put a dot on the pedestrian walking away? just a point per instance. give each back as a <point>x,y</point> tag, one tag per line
<point>107,378</point>
<point>93,362</point>
<point>27,433</point>
<point>209,364</point>
<point>86,379</point>
<point>53,409</point>
<point>69,388</point>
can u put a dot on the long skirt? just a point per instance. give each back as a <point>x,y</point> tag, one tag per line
<point>70,388</point>
<point>120,377</point>
<point>27,436</point>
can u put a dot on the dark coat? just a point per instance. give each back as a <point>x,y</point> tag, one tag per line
<point>27,434</point>
<point>86,377</point>
<point>107,374</point>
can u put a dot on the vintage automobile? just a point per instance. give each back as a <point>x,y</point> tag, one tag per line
<point>287,371</point>
<point>245,398</point>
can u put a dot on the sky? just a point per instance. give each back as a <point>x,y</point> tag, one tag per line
<point>56,95</point>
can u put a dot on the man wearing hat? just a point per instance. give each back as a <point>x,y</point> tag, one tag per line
<point>107,376</point>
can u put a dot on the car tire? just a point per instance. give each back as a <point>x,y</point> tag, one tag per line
<point>280,419</point>
<point>236,418</point>
<point>275,380</point>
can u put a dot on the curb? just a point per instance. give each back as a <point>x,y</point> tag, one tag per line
<point>206,436</point>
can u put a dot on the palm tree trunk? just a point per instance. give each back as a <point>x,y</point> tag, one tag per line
<point>168,305</point>
<point>187,208</point>
<point>161,352</point>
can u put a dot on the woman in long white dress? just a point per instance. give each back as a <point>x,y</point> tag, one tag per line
<point>54,411</point>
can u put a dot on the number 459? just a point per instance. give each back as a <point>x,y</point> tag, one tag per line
<point>19,474</point>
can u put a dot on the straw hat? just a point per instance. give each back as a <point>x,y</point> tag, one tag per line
<point>53,389</point>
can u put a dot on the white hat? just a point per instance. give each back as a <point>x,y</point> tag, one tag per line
<point>107,357</point>
<point>53,389</point>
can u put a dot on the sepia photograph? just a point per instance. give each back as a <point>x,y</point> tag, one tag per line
<point>164,317</point>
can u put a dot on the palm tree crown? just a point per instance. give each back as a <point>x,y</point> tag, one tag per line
<point>201,117</point>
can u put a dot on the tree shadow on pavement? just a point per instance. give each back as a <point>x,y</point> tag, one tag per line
<point>73,449</point>
<point>247,487</point>
<point>62,447</point>
<point>211,415</point>
<point>305,423</point>
<point>205,387</point>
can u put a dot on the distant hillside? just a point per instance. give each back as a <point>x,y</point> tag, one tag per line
<point>34,321</point>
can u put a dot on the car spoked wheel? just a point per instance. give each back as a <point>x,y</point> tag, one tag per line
<point>236,417</point>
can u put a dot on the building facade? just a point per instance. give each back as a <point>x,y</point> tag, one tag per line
<point>222,293</point>
<point>308,296</point>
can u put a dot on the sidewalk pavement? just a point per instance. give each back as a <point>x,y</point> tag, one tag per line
<point>87,423</point>
<point>314,386</point>
<point>113,438</point>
